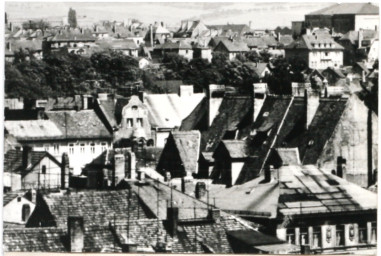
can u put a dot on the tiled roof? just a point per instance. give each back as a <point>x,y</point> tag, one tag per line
<point>235,46</point>
<point>285,39</point>
<point>236,148</point>
<point>30,129</point>
<point>232,111</point>
<point>123,44</point>
<point>97,207</point>
<point>301,190</point>
<point>63,103</point>
<point>66,36</point>
<point>348,8</point>
<point>10,142</point>
<point>257,67</point>
<point>79,124</point>
<point>31,45</point>
<point>174,45</point>
<point>353,36</point>
<point>289,156</point>
<point>264,128</point>
<point>108,109</point>
<point>188,146</point>
<point>307,42</point>
<point>8,197</point>
<point>13,160</point>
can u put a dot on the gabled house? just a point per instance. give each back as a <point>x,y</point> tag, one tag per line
<point>306,207</point>
<point>126,46</point>
<point>230,30</point>
<point>181,47</point>
<point>17,207</point>
<point>77,42</point>
<point>318,51</point>
<point>180,154</point>
<point>28,169</point>
<point>191,28</point>
<point>157,34</point>
<point>232,48</point>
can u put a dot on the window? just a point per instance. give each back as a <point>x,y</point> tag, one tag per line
<point>130,122</point>
<point>71,148</point>
<point>92,148</point>
<point>340,237</point>
<point>373,236</point>
<point>25,212</point>
<point>316,237</point>
<point>326,53</point>
<point>103,146</point>
<point>139,122</point>
<point>303,233</point>
<point>290,235</point>
<point>46,148</point>
<point>43,169</point>
<point>363,236</point>
<point>82,148</point>
<point>19,199</point>
<point>56,148</point>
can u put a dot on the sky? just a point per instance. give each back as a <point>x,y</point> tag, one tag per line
<point>262,15</point>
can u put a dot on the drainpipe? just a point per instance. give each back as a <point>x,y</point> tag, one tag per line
<point>370,164</point>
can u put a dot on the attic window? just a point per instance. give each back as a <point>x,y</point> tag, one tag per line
<point>313,45</point>
<point>21,126</point>
<point>18,199</point>
<point>134,107</point>
<point>332,182</point>
<point>311,143</point>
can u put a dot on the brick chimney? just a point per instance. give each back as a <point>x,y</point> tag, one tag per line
<point>76,232</point>
<point>361,37</point>
<point>214,214</point>
<point>267,172</point>
<point>33,196</point>
<point>26,156</point>
<point>200,190</point>
<point>172,220</point>
<point>215,96</point>
<point>311,98</point>
<point>65,169</point>
<point>119,169</point>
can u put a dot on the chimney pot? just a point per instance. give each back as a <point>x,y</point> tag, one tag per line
<point>76,233</point>
<point>65,169</point>
<point>172,220</point>
<point>200,190</point>
<point>214,214</point>
<point>27,156</point>
<point>267,173</point>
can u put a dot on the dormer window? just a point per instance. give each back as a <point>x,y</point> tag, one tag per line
<point>134,107</point>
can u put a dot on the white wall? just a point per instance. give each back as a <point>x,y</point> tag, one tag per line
<point>367,22</point>
<point>12,212</point>
<point>188,54</point>
<point>319,59</point>
<point>236,170</point>
<point>161,138</point>
<point>51,179</point>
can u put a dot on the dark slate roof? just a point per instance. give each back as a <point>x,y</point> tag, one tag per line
<point>195,118</point>
<point>188,146</point>
<point>265,127</point>
<point>348,8</point>
<point>108,109</point>
<point>306,42</point>
<point>312,141</point>
<point>97,207</point>
<point>79,124</point>
<point>13,161</point>
<point>231,114</point>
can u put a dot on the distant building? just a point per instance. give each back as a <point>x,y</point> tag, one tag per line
<point>344,17</point>
<point>318,51</point>
<point>232,48</point>
<point>181,47</point>
<point>230,30</point>
<point>192,29</point>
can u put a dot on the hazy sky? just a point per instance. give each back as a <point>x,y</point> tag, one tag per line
<point>262,15</point>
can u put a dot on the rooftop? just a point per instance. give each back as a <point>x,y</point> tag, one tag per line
<point>348,8</point>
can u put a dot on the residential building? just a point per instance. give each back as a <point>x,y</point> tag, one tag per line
<point>126,46</point>
<point>230,30</point>
<point>318,51</point>
<point>17,207</point>
<point>80,134</point>
<point>28,169</point>
<point>306,207</point>
<point>192,29</point>
<point>344,17</point>
<point>232,48</point>
<point>180,155</point>
<point>157,34</point>
<point>181,47</point>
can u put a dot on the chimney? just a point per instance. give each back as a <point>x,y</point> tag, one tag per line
<point>311,98</point>
<point>361,37</point>
<point>172,220</point>
<point>119,169</point>
<point>341,167</point>
<point>85,102</point>
<point>186,90</point>
<point>215,95</point>
<point>278,36</point>
<point>76,233</point>
<point>369,149</point>
<point>162,24</point>
<point>11,26</point>
<point>200,190</point>
<point>26,156</point>
<point>151,34</point>
<point>65,169</point>
<point>267,173</point>
<point>182,185</point>
<point>250,24</point>
<point>132,166</point>
<point>167,176</point>
<point>33,196</point>
<point>214,214</point>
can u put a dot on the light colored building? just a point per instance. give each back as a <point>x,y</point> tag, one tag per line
<point>18,206</point>
<point>319,51</point>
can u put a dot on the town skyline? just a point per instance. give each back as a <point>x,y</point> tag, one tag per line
<point>210,12</point>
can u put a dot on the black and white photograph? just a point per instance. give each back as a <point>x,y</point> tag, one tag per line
<point>190,127</point>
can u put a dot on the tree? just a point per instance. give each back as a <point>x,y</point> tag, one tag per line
<point>72,18</point>
<point>36,24</point>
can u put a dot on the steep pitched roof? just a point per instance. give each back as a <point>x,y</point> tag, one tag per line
<point>188,146</point>
<point>194,119</point>
<point>174,45</point>
<point>67,36</point>
<point>13,161</point>
<point>231,114</point>
<point>236,148</point>
<point>120,44</point>
<point>79,124</point>
<point>353,36</point>
<point>30,129</point>
<point>289,156</point>
<point>8,197</point>
<point>348,8</point>
<point>234,46</point>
